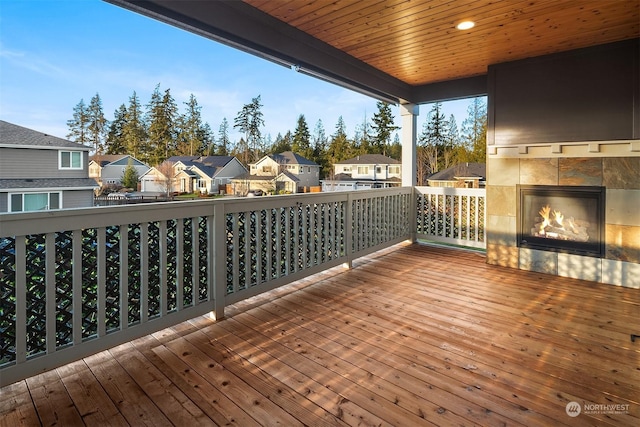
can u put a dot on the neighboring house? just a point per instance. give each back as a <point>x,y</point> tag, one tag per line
<point>364,172</point>
<point>286,172</point>
<point>42,172</point>
<point>463,175</point>
<point>108,169</point>
<point>195,174</point>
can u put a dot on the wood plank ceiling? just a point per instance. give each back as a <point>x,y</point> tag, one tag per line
<point>417,42</point>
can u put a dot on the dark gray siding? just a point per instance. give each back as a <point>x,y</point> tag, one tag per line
<point>588,94</point>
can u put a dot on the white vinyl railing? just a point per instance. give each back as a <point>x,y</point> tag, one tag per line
<point>451,215</point>
<point>75,282</point>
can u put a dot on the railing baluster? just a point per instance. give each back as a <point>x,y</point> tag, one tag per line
<point>77,286</point>
<point>163,242</point>
<point>124,277</point>
<point>21,299</point>
<point>195,261</point>
<point>179,264</point>
<point>101,315</point>
<point>258,236</point>
<point>144,272</point>
<point>50,292</point>
<point>236,253</point>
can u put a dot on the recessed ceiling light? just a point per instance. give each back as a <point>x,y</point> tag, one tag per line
<point>466,25</point>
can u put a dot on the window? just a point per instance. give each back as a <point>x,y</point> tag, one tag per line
<point>202,183</point>
<point>346,169</point>
<point>266,169</point>
<point>395,170</point>
<point>363,170</point>
<point>29,202</point>
<point>70,160</point>
<point>378,169</point>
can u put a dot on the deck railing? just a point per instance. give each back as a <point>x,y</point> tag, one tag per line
<point>452,215</point>
<point>74,282</point>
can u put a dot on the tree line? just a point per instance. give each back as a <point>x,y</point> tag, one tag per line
<point>158,130</point>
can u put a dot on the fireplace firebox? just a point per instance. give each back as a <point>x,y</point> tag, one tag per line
<point>567,219</point>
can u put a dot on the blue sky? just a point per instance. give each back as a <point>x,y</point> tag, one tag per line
<point>53,53</point>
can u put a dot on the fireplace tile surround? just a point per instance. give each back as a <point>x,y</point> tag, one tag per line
<point>618,170</point>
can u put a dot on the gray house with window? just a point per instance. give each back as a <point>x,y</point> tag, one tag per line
<point>42,172</point>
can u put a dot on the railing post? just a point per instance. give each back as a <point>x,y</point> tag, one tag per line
<point>219,260</point>
<point>348,231</point>
<point>413,216</point>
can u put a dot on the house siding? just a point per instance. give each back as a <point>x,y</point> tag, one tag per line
<point>77,199</point>
<point>41,164</point>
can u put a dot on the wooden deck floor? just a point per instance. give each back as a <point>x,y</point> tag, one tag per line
<point>412,336</point>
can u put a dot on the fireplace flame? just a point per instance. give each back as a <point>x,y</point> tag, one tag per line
<point>555,225</point>
<point>558,217</point>
<point>544,213</point>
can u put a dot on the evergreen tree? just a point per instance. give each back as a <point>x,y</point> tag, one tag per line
<point>79,124</point>
<point>302,139</point>
<point>451,144</point>
<point>130,176</point>
<point>339,146</point>
<point>383,126</point>
<point>205,135</point>
<point>362,141</point>
<point>97,124</point>
<point>134,131</point>
<point>249,121</point>
<point>320,149</point>
<point>474,130</point>
<point>223,142</point>
<point>281,144</point>
<point>433,137</point>
<point>161,118</point>
<point>394,150</point>
<point>190,130</point>
<point>115,142</point>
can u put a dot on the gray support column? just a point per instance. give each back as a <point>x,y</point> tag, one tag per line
<point>409,113</point>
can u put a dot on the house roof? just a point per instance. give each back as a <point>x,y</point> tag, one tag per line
<point>207,165</point>
<point>291,158</point>
<point>462,170</point>
<point>115,159</point>
<point>401,51</point>
<point>370,159</point>
<point>47,183</point>
<point>213,161</point>
<point>288,175</point>
<point>14,136</point>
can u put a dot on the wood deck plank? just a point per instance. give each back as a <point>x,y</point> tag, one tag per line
<point>269,386</point>
<point>53,403</point>
<point>16,406</point>
<point>92,402</point>
<point>412,335</point>
<point>129,398</point>
<point>173,403</point>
